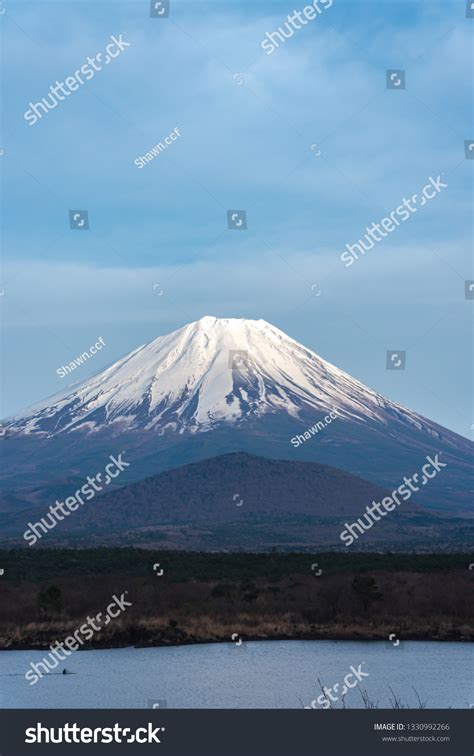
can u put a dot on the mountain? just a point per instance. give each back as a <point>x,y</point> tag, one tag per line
<point>240,501</point>
<point>218,386</point>
<point>209,373</point>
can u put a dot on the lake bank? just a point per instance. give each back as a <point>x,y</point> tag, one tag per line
<point>154,634</point>
<point>175,599</point>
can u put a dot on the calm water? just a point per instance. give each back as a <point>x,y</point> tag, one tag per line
<point>278,674</point>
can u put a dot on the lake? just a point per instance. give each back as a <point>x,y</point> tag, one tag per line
<point>263,674</point>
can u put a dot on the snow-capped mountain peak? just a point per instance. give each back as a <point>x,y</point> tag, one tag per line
<point>209,372</point>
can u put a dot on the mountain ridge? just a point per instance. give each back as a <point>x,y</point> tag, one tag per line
<point>237,500</point>
<point>209,371</point>
<point>217,386</point>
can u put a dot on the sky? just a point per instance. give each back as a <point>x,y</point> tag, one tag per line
<point>307,140</point>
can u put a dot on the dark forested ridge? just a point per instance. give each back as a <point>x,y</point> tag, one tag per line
<point>240,501</point>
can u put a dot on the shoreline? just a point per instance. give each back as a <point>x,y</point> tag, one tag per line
<point>173,642</point>
<point>198,598</point>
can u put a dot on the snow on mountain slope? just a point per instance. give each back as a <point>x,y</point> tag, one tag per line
<point>208,373</point>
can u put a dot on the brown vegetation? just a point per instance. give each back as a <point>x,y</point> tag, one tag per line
<point>267,602</point>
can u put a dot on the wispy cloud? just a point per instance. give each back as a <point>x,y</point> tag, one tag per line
<point>245,146</point>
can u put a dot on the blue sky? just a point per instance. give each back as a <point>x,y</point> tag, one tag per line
<point>242,146</point>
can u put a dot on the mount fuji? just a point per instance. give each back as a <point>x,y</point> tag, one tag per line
<point>223,385</point>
